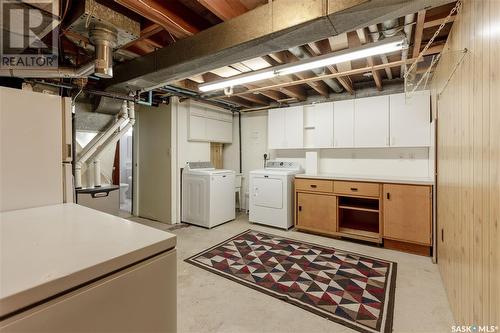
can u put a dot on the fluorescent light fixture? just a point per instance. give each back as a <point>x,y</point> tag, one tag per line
<point>339,58</point>
<point>242,79</point>
<point>387,45</point>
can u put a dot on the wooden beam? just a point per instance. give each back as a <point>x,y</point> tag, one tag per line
<point>297,83</point>
<point>284,57</point>
<point>435,49</point>
<point>256,98</point>
<point>355,41</point>
<point>146,33</point>
<point>224,9</point>
<point>437,22</point>
<point>419,30</point>
<point>292,91</point>
<point>274,95</point>
<point>323,47</point>
<point>159,13</point>
<point>238,100</point>
<point>228,9</point>
<point>270,60</point>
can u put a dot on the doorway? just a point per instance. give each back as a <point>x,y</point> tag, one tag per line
<point>126,176</point>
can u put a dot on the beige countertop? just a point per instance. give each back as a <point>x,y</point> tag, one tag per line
<point>48,250</point>
<point>373,179</point>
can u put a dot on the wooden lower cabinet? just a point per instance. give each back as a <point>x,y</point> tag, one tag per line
<point>408,213</point>
<point>398,216</point>
<point>316,212</point>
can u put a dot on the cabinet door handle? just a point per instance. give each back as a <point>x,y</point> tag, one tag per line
<point>388,195</point>
<point>354,189</point>
<point>300,208</point>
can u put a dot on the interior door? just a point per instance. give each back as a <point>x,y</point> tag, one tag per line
<point>267,192</point>
<point>317,212</point>
<point>153,163</point>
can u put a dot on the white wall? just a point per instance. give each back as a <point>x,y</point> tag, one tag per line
<point>230,153</point>
<point>254,143</point>
<point>401,162</point>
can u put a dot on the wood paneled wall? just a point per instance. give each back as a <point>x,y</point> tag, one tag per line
<point>468,164</point>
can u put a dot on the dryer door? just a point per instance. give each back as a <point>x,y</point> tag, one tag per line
<point>267,191</point>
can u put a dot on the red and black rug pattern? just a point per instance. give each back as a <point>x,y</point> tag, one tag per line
<point>351,289</point>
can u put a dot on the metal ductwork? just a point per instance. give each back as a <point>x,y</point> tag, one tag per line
<point>104,39</point>
<point>390,28</point>
<point>51,73</point>
<point>300,53</point>
<point>408,27</point>
<point>105,28</point>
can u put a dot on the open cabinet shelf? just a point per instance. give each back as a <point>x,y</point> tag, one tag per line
<point>359,217</point>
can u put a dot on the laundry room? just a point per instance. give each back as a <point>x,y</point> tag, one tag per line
<point>249,166</point>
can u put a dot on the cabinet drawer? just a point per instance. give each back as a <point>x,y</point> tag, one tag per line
<point>315,185</point>
<point>354,188</point>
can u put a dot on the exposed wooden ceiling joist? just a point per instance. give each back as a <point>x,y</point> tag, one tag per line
<point>159,13</point>
<point>354,38</point>
<point>419,30</point>
<point>224,9</point>
<point>297,83</point>
<point>323,47</point>
<point>437,22</point>
<point>285,57</point>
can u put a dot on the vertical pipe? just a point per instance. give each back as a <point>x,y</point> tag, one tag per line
<point>73,146</point>
<point>97,172</point>
<point>78,174</point>
<point>239,140</point>
<point>408,27</point>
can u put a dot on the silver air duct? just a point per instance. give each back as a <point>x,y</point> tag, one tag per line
<point>301,54</point>
<point>104,39</point>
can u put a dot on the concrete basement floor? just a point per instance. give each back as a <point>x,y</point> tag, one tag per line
<point>210,303</point>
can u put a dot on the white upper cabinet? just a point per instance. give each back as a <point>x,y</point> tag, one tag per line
<point>197,128</point>
<point>318,125</point>
<point>371,122</point>
<point>276,129</point>
<point>410,120</point>
<point>343,124</point>
<point>294,127</point>
<point>206,124</point>
<point>379,121</point>
<point>286,128</point>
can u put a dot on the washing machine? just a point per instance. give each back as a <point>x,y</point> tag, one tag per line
<point>271,194</point>
<point>208,195</point>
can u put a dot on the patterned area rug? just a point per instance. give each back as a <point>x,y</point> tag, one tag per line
<point>351,289</point>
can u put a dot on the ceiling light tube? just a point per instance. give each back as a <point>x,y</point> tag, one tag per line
<point>387,45</point>
<point>339,58</point>
<point>251,77</point>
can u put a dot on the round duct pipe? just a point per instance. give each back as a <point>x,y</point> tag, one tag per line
<point>104,40</point>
